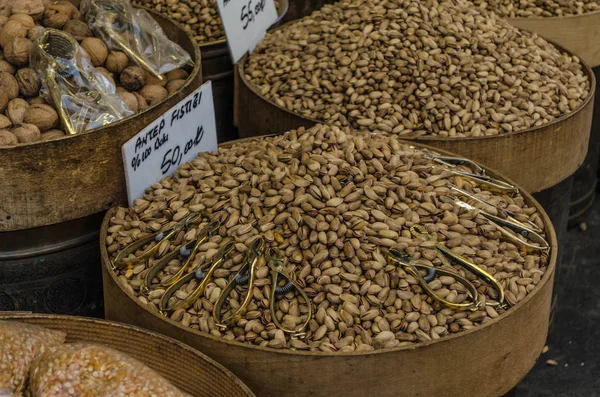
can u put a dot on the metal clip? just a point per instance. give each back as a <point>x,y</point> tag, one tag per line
<point>275,263</point>
<point>122,261</point>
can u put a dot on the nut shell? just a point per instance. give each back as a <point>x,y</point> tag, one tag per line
<point>52,134</point>
<point>11,30</point>
<point>56,16</point>
<point>7,67</point>
<point>17,51</point>
<point>174,85</point>
<point>34,8</point>
<point>27,133</point>
<point>5,122</point>
<point>78,29</point>
<point>16,110</point>
<point>116,62</point>
<point>9,85</point>
<point>29,82</point>
<point>7,138</point>
<point>130,100</point>
<point>42,116</point>
<point>177,74</point>
<point>133,78</point>
<point>3,102</point>
<point>142,104</point>
<point>96,50</point>
<point>154,93</point>
<point>25,19</point>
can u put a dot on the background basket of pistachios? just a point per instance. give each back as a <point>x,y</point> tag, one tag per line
<point>331,201</point>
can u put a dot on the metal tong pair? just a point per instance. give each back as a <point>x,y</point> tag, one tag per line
<point>478,175</point>
<point>447,257</point>
<point>108,19</point>
<point>246,275</point>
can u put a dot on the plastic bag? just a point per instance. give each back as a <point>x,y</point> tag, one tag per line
<point>20,344</point>
<point>134,32</point>
<point>84,98</point>
<point>84,369</point>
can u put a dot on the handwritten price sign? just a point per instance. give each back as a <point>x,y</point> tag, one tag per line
<point>174,138</point>
<point>246,23</point>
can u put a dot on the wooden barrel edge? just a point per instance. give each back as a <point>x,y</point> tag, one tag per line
<point>111,334</point>
<point>530,156</point>
<point>577,33</point>
<point>51,182</point>
<point>489,349</point>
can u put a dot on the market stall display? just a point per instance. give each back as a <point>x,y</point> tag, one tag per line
<point>125,360</point>
<point>352,220</point>
<point>202,21</point>
<point>55,190</point>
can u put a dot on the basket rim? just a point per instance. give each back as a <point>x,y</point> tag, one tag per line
<point>15,316</point>
<point>529,199</point>
<point>425,138</point>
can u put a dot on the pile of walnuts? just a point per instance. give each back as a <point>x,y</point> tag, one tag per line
<point>25,115</point>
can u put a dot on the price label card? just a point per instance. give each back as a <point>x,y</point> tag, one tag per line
<point>173,139</point>
<point>246,23</point>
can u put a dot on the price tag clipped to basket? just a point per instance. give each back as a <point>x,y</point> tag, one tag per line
<point>246,23</point>
<point>171,140</point>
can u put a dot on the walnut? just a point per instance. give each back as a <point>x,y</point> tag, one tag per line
<point>25,19</point>
<point>9,85</point>
<point>35,33</point>
<point>154,94</point>
<point>142,104</point>
<point>5,122</point>
<point>177,74</point>
<point>7,138</point>
<point>96,50</point>
<point>17,51</point>
<point>7,67</point>
<point>121,89</point>
<point>75,14</point>
<point>130,100</point>
<point>38,100</point>
<point>133,78</point>
<point>175,85</point>
<point>33,8</point>
<point>3,20</point>
<point>56,16</point>
<point>117,61</point>
<point>3,102</point>
<point>151,80</point>
<point>52,134</point>
<point>42,116</point>
<point>11,30</point>
<point>16,110</point>
<point>107,74</point>
<point>78,29</point>
<point>29,82</point>
<point>27,133</point>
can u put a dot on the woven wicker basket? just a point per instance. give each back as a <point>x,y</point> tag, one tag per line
<point>188,369</point>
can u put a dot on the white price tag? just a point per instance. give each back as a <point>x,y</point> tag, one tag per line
<point>174,138</point>
<point>246,23</point>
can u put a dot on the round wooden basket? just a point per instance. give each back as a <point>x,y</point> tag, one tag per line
<point>578,33</point>
<point>487,361</point>
<point>50,182</point>
<point>538,158</point>
<point>186,368</point>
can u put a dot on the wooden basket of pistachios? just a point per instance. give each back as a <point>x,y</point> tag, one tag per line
<point>51,176</point>
<point>478,87</point>
<point>327,261</point>
<point>177,365</point>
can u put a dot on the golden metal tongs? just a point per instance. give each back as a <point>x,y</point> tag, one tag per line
<point>478,175</point>
<point>186,251</point>
<point>122,259</point>
<point>203,274</point>
<point>58,51</point>
<point>110,18</point>
<point>246,275</point>
<point>510,222</point>
<point>446,256</point>
<point>412,267</point>
<point>275,263</point>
